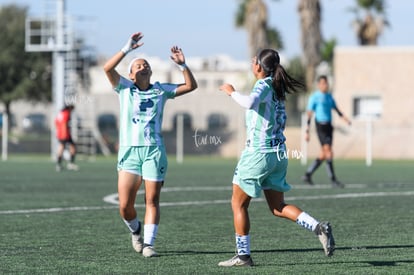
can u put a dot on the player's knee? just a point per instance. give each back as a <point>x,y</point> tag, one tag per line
<point>152,201</point>
<point>277,209</point>
<point>329,154</point>
<point>277,213</point>
<point>238,205</point>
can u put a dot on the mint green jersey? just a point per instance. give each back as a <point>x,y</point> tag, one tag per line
<point>141,112</point>
<point>266,119</point>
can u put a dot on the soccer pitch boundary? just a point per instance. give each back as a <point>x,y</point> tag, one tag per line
<point>112,199</point>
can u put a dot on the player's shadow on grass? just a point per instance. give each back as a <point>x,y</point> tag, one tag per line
<point>388,263</point>
<point>336,248</point>
<point>344,248</point>
<point>354,263</point>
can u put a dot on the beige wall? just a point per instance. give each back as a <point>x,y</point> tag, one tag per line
<point>385,72</point>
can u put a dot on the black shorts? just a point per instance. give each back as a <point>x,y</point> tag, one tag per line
<point>325,132</point>
<point>66,141</point>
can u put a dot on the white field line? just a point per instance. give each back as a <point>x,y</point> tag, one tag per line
<point>56,209</point>
<point>113,199</point>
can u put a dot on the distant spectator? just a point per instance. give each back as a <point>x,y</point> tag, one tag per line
<point>65,138</point>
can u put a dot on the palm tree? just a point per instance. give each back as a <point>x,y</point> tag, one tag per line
<point>252,15</point>
<point>311,37</point>
<point>369,28</point>
<point>327,50</point>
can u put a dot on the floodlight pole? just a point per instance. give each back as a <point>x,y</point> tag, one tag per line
<point>58,82</point>
<point>59,58</point>
<point>57,41</point>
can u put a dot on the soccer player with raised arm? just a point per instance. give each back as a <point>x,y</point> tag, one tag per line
<point>263,163</point>
<point>142,155</point>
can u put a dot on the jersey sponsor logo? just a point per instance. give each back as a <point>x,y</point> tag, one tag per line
<point>145,104</point>
<point>136,120</point>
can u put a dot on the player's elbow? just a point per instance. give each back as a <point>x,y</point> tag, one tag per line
<point>107,68</point>
<point>191,86</point>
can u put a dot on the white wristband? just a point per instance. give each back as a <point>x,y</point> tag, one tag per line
<point>128,46</point>
<point>126,49</point>
<point>182,66</point>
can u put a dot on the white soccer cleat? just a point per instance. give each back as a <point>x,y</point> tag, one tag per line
<point>72,167</point>
<point>137,242</point>
<point>324,232</point>
<point>236,261</point>
<point>149,251</point>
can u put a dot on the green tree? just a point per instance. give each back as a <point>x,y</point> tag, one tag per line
<point>23,75</point>
<point>327,50</point>
<point>293,108</point>
<point>252,16</point>
<point>369,27</point>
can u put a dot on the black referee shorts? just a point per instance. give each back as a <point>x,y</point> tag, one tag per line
<point>325,133</point>
<point>64,142</point>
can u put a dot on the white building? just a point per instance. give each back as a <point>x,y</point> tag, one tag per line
<point>211,113</point>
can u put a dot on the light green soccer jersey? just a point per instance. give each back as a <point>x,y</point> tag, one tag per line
<point>266,119</point>
<point>141,112</point>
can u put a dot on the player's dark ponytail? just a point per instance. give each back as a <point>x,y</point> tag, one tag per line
<point>282,82</point>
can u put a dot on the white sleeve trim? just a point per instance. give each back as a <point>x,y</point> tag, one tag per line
<point>246,101</point>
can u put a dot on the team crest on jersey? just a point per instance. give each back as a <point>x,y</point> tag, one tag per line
<point>157,91</point>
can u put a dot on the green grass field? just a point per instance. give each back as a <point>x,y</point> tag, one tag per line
<point>58,223</point>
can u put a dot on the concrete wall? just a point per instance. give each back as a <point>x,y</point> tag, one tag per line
<point>383,73</point>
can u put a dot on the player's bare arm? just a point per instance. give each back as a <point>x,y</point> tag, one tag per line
<point>109,67</point>
<point>190,83</point>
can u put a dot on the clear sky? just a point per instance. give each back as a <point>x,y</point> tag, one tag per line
<point>206,28</point>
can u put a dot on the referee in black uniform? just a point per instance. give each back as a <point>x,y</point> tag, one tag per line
<point>321,103</point>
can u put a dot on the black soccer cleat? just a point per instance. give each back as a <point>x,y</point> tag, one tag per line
<point>307,179</point>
